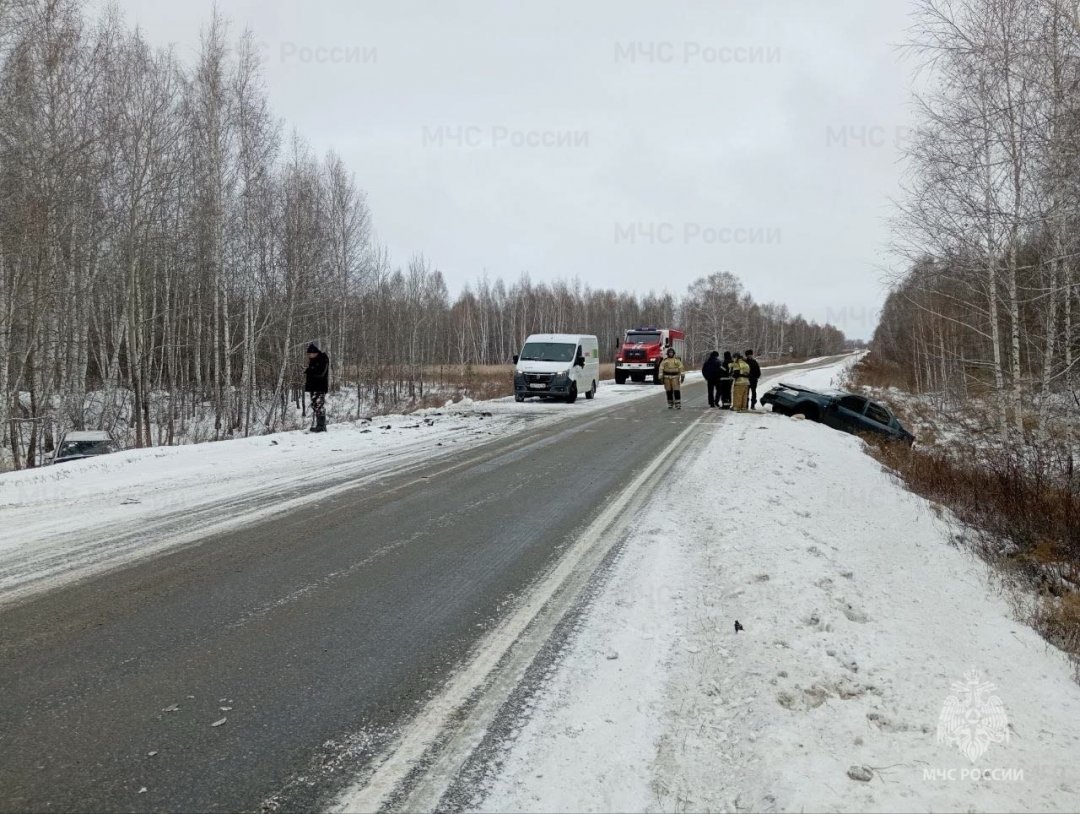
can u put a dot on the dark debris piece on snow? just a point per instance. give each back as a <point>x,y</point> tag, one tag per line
<point>738,626</point>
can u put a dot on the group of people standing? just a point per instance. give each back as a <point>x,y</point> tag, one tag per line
<point>732,380</point>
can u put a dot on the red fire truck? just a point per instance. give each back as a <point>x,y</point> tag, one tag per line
<point>643,349</point>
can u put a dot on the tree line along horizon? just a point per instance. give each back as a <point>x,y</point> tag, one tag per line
<point>164,244</point>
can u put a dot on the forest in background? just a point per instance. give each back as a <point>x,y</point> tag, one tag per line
<point>167,251</point>
<point>988,307</point>
<point>982,324</point>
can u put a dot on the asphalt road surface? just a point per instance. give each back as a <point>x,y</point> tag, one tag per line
<point>265,667</point>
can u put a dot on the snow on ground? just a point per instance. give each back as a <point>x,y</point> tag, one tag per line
<point>821,378</point>
<point>63,522</point>
<point>864,628</point>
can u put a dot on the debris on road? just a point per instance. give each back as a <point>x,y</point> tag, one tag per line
<point>864,774</point>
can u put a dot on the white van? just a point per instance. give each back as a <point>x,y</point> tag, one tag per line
<point>557,366</point>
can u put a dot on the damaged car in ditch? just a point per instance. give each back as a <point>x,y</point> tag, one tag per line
<point>838,409</point>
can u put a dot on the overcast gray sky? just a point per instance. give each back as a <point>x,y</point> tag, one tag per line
<point>636,145</point>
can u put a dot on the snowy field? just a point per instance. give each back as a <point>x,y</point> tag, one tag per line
<point>872,650</point>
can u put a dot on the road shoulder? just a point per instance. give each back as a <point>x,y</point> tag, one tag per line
<point>860,620</point>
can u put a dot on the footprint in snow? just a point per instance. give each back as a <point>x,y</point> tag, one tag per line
<point>853,614</point>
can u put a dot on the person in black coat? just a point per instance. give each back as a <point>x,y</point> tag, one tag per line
<point>711,372</point>
<point>755,374</point>
<point>317,382</point>
<point>726,380</point>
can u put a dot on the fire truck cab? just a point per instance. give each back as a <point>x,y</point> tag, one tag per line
<point>643,349</point>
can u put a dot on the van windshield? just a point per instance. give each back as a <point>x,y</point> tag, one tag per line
<point>547,352</point>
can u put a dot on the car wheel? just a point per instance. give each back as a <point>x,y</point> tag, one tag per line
<point>518,398</point>
<point>808,410</point>
<point>592,391</point>
<point>571,397</point>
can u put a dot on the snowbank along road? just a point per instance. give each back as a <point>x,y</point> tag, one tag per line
<point>268,661</point>
<point>878,666</point>
<point>352,649</point>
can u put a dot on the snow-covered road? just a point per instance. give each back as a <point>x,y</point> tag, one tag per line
<point>865,631</point>
<point>65,522</point>
<point>877,667</point>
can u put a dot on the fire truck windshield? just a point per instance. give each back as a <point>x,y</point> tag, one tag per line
<point>633,338</point>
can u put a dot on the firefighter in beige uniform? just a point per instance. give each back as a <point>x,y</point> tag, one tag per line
<point>672,372</point>
<point>740,389</point>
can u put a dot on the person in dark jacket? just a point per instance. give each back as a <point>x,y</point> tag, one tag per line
<point>755,374</point>
<point>711,372</point>
<point>726,380</point>
<point>317,382</point>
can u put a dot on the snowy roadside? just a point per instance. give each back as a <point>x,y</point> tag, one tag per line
<point>64,522</point>
<point>860,616</point>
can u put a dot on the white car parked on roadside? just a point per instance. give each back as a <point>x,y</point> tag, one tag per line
<point>80,444</point>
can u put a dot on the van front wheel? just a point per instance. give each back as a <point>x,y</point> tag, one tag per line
<point>592,391</point>
<point>571,397</point>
